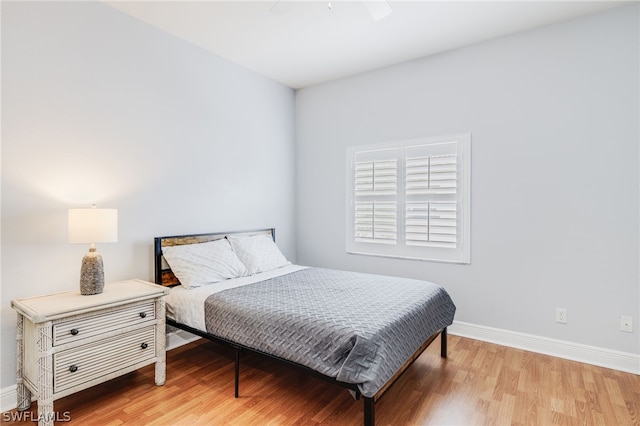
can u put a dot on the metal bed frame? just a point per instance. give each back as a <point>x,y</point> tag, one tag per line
<point>164,277</point>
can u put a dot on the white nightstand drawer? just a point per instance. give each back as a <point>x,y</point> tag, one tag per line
<point>78,365</point>
<point>102,322</point>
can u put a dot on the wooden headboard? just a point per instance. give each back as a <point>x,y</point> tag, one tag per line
<point>163,274</point>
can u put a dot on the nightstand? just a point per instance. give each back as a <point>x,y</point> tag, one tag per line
<point>68,342</point>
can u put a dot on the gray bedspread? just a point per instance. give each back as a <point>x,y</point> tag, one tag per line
<point>359,328</point>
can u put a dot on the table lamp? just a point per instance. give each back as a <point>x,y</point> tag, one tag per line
<point>90,226</point>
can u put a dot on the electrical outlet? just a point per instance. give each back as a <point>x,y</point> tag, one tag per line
<point>561,315</point>
<point>626,324</point>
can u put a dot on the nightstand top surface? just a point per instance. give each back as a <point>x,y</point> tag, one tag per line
<point>52,306</point>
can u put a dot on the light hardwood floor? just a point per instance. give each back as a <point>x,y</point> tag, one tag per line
<point>478,384</point>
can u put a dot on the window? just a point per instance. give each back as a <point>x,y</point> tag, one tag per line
<point>410,199</point>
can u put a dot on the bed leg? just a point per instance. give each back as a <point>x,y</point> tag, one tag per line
<point>237,372</point>
<point>443,343</point>
<point>369,411</point>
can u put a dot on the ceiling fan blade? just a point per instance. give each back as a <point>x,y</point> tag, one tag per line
<point>379,9</point>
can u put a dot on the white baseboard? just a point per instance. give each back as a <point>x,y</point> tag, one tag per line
<point>8,398</point>
<point>602,357</point>
<point>594,355</point>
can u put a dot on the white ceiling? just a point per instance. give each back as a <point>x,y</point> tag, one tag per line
<point>303,43</point>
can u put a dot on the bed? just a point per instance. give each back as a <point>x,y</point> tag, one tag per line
<point>356,330</point>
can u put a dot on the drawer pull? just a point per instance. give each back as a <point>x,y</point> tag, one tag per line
<point>74,331</point>
<point>143,314</point>
<point>73,368</point>
<point>144,346</point>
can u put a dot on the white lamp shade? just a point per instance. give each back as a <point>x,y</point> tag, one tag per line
<point>93,225</point>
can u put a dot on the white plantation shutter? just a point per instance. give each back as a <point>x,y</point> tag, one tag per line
<point>431,224</point>
<point>410,199</point>
<point>376,177</point>
<point>431,176</point>
<point>375,191</point>
<point>375,222</point>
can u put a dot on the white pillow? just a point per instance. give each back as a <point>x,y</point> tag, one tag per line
<point>258,253</point>
<point>200,264</point>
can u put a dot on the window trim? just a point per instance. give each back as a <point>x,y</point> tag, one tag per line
<point>401,250</point>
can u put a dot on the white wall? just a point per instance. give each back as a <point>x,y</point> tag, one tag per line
<point>554,117</point>
<point>98,107</point>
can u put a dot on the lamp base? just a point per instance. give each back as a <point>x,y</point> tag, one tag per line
<point>91,274</point>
